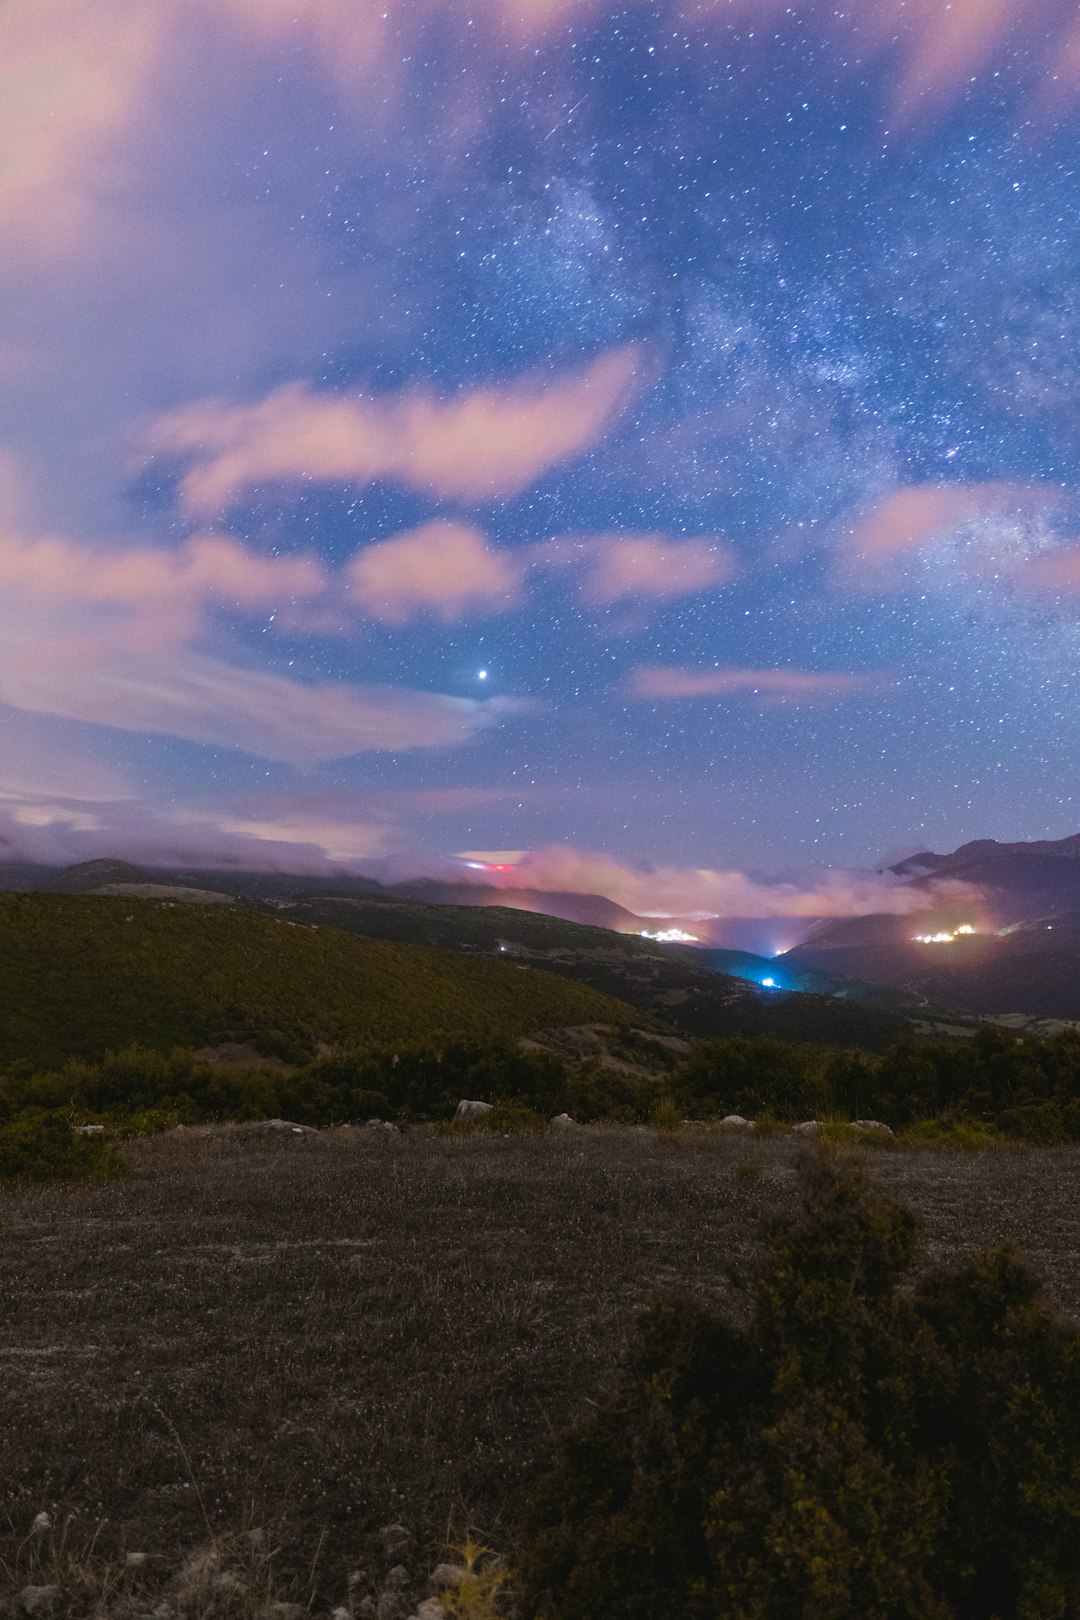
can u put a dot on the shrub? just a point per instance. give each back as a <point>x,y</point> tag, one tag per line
<point>40,1146</point>
<point>865,1449</point>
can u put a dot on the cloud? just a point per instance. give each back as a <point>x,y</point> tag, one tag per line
<point>478,445</point>
<point>446,569</point>
<point>619,566</point>
<point>1054,571</point>
<point>113,638</point>
<point>911,517</point>
<point>656,682</point>
<point>78,79</point>
<point>71,78</point>
<point>684,892</point>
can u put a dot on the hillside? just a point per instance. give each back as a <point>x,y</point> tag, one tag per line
<point>680,985</point>
<point>1023,957</point>
<point>83,975</point>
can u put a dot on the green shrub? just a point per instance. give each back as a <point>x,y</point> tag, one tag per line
<point>40,1146</point>
<point>666,1114</point>
<point>867,1448</point>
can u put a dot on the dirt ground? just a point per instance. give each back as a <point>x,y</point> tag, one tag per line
<point>309,1336</point>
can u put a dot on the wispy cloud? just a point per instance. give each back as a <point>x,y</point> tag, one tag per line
<point>477,445</point>
<point>657,682</point>
<point>705,892</point>
<point>445,569</point>
<point>114,638</point>
<point>614,567</point>
<point>916,515</point>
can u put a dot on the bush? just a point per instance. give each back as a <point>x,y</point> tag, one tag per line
<point>40,1146</point>
<point>865,1449</point>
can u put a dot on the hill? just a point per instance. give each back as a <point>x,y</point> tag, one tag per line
<point>678,985</point>
<point>1023,956</point>
<point>80,975</point>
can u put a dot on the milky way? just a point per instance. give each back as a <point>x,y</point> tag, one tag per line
<point>650,431</point>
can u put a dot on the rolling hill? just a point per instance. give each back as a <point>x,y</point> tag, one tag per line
<point>80,975</point>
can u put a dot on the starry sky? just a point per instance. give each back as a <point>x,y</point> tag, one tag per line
<point>643,436</point>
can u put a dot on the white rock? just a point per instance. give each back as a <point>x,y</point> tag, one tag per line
<point>135,1560</point>
<point>872,1125</point>
<point>397,1579</point>
<point>39,1599</point>
<point>472,1110</point>
<point>383,1127</point>
<point>736,1122</point>
<point>444,1577</point>
<point>809,1127</point>
<point>89,1130</point>
<point>430,1609</point>
<point>563,1120</point>
<point>41,1523</point>
<point>288,1125</point>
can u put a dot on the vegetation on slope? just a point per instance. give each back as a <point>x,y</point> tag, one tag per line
<point>83,976</point>
<point>867,1446</point>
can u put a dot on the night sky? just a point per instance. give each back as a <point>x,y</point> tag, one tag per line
<point>647,437</point>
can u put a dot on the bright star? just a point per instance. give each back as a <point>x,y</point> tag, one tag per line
<point>481,674</point>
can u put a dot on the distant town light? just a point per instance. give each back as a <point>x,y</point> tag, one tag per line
<point>671,936</point>
<point>946,937</point>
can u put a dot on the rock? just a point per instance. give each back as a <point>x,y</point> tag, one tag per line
<point>40,1599</point>
<point>383,1127</point>
<point>288,1125</point>
<point>394,1538</point>
<point>430,1609</point>
<point>41,1524</point>
<point>89,1130</point>
<point>341,1613</point>
<point>393,1606</point>
<point>809,1127</point>
<point>397,1579</point>
<point>872,1125</point>
<point>561,1121</point>
<point>290,1611</point>
<point>472,1110</point>
<point>135,1560</point>
<point>446,1577</point>
<point>736,1122</point>
<point>366,1609</point>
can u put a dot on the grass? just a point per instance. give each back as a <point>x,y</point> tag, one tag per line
<point>264,1347</point>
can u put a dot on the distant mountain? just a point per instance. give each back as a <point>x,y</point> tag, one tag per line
<point>1017,882</point>
<point>1023,903</point>
<point>593,909</point>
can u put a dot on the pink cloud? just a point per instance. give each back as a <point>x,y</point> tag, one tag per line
<point>77,79</point>
<point>619,566</point>
<point>710,893</point>
<point>911,517</point>
<point>71,79</point>
<point>478,445</point>
<point>446,569</point>
<point>1055,571</point>
<point>112,638</point>
<point>769,685</point>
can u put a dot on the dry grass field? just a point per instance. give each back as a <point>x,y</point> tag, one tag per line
<point>275,1344</point>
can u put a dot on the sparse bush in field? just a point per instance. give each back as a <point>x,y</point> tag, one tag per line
<point>484,1593</point>
<point>666,1114</point>
<point>864,1450</point>
<point>40,1146</point>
